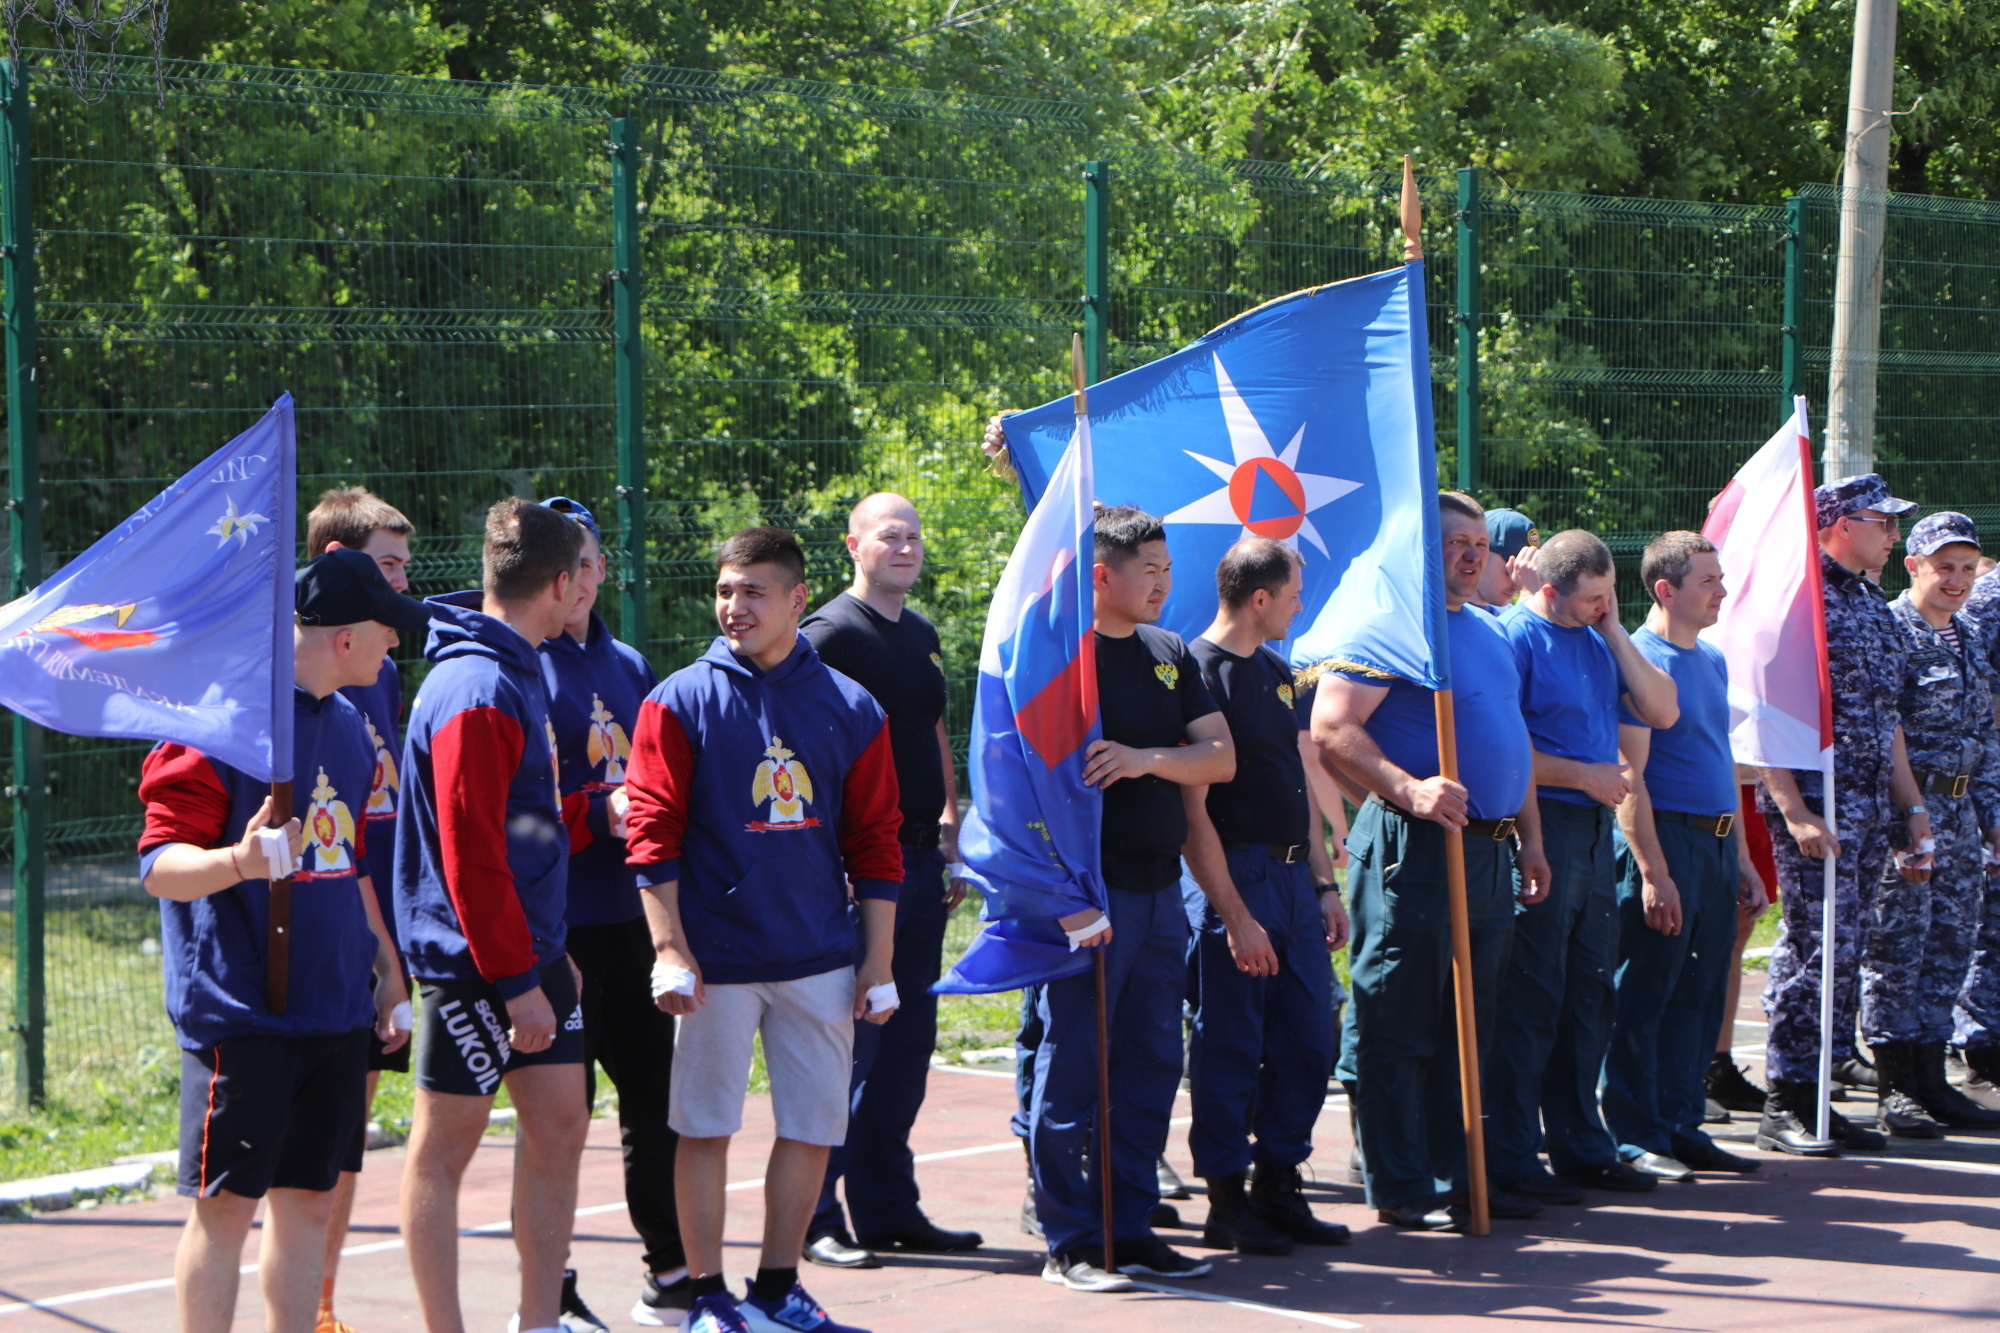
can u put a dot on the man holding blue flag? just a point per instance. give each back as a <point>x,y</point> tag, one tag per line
<point>1161,732</point>
<point>1380,730</point>
<point>273,1104</point>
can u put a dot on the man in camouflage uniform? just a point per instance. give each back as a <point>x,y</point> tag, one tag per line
<point>1976,1020</point>
<point>1914,957</point>
<point>1876,803</point>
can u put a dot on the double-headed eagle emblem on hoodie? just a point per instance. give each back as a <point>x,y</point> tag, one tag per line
<point>329,848</point>
<point>781,779</point>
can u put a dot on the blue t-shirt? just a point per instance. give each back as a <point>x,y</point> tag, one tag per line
<point>1690,768</point>
<point>1494,758</point>
<point>1570,688</point>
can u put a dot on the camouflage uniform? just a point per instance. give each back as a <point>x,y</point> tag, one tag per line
<point>1866,653</point>
<point>1920,940</point>
<point>1976,1021</point>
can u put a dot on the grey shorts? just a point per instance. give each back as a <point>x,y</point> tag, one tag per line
<point>808,1030</point>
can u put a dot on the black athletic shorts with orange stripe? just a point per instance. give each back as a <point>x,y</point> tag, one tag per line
<point>262,1113</point>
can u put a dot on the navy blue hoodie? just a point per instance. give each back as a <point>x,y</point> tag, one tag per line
<point>482,853</point>
<point>595,689</point>
<point>764,794</point>
<point>213,947</point>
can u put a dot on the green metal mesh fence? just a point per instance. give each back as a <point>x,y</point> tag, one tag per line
<point>840,284</point>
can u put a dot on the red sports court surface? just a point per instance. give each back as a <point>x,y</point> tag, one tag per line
<point>1909,1240</point>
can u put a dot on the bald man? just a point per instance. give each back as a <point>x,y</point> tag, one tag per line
<point>868,634</point>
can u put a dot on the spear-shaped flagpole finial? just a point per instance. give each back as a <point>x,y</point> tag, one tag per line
<point>1413,214</point>
<point>1076,371</point>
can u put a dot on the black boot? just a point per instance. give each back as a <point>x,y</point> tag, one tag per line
<point>1788,1111</point>
<point>1730,1088</point>
<point>1858,1072</point>
<point>1898,1111</point>
<point>1846,1133</point>
<point>1947,1105</point>
<point>1357,1165</point>
<point>1984,1063</point>
<point>1232,1223</point>
<point>1277,1198</point>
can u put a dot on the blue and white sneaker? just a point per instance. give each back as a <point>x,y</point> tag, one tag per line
<point>798,1312</point>
<point>713,1314</point>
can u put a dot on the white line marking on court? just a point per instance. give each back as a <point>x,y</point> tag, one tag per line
<point>1324,1320</point>
<point>491,1228</point>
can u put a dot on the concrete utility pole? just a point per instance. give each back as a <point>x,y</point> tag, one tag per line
<point>1857,283</point>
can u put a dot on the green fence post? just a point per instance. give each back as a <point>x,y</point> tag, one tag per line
<point>1794,370</point>
<point>630,353</point>
<point>1467,317</point>
<point>24,509</point>
<point>1096,268</point>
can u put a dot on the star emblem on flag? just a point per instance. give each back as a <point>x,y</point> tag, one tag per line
<point>1262,489</point>
<point>238,525</point>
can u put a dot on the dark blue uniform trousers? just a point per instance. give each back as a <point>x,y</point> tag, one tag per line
<point>1262,1046</point>
<point>892,1065</point>
<point>1556,1024</point>
<point>1400,1040</point>
<point>1145,978</point>
<point>1671,989</point>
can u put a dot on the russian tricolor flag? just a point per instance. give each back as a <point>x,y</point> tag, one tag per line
<point>1031,841</point>
<point>1772,629</point>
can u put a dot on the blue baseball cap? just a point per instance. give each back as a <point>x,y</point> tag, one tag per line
<point>1940,530</point>
<point>562,504</point>
<point>1850,495</point>
<point>345,587</point>
<point>1510,530</point>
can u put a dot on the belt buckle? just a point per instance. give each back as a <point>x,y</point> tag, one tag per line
<point>1959,784</point>
<point>1725,824</point>
<point>1503,829</point>
<point>1295,853</point>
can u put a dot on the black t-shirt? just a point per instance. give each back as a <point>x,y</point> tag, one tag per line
<point>1149,688</point>
<point>900,663</point>
<point>1266,801</point>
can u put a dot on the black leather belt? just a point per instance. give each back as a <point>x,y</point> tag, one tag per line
<point>1946,784</point>
<point>1499,830</point>
<point>1289,853</point>
<point>1720,825</point>
<point>920,836</point>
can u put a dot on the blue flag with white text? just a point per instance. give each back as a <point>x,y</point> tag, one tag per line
<point>1307,420</point>
<point>177,624</point>
<point>1031,841</point>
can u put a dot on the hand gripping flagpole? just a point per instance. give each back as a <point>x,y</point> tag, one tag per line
<point>1082,403</point>
<point>1454,860</point>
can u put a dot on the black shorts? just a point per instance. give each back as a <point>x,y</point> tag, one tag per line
<point>262,1113</point>
<point>462,1033</point>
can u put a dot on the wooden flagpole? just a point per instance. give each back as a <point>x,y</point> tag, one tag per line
<point>278,931</point>
<point>1082,403</point>
<point>1454,861</point>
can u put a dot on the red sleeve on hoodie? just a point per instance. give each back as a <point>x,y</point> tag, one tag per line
<point>659,782</point>
<point>474,757</point>
<point>185,799</point>
<point>575,813</point>
<point>871,820</point>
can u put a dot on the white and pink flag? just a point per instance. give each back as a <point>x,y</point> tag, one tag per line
<point>1772,631</point>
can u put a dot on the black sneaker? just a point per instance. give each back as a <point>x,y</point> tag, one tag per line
<point>664,1307</point>
<point>1153,1257</point>
<point>573,1315</point>
<point>1080,1271</point>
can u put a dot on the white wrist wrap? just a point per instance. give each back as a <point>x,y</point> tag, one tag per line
<point>883,998</point>
<point>277,850</point>
<point>399,1017</point>
<point>1097,927</point>
<point>671,980</point>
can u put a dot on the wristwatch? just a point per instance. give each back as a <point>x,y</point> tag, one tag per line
<point>1328,887</point>
<point>1917,809</point>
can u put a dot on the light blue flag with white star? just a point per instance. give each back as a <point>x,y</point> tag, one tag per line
<point>1306,420</point>
<point>177,624</point>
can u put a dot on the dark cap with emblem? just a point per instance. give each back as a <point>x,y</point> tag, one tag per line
<point>1510,531</point>
<point>1850,495</point>
<point>345,587</point>
<point>1941,530</point>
